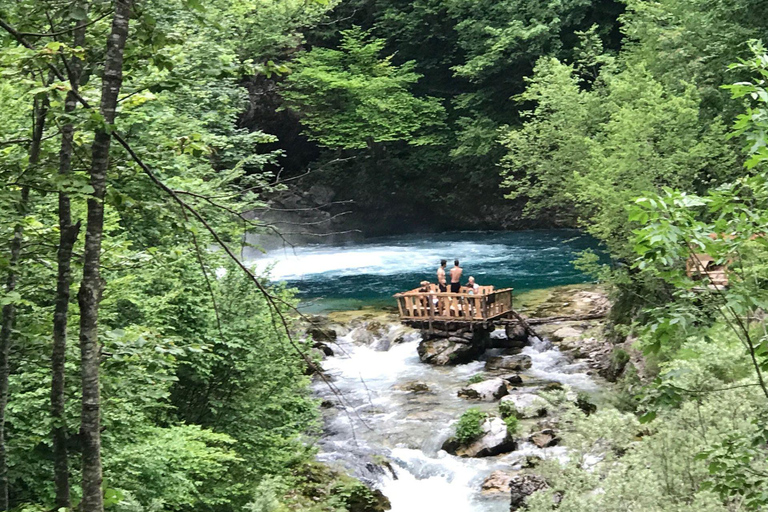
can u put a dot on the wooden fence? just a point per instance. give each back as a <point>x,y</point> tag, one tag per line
<point>418,305</point>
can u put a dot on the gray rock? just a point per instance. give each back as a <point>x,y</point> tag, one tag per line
<point>516,332</point>
<point>494,441</point>
<point>522,486</point>
<point>443,352</point>
<point>487,390</point>
<point>517,363</point>
<point>526,405</point>
<point>415,386</point>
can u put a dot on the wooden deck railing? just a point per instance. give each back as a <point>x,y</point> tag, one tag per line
<point>417,305</point>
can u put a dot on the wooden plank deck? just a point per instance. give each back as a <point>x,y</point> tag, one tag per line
<point>418,306</point>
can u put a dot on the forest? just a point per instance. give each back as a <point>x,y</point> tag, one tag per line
<point>146,367</point>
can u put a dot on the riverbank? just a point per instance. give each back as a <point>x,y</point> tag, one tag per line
<point>390,415</point>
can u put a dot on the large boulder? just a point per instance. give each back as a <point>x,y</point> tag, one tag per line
<point>522,486</point>
<point>448,351</point>
<point>493,441</point>
<point>498,481</point>
<point>516,332</point>
<point>516,363</point>
<point>455,345</point>
<point>508,338</point>
<point>487,390</point>
<point>322,329</point>
<point>524,405</point>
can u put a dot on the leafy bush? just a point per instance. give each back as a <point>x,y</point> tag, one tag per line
<point>478,377</point>
<point>469,427</point>
<point>513,425</point>
<point>507,409</point>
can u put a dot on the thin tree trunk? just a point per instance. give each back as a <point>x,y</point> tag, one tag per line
<point>91,285</point>
<point>9,310</point>
<point>67,237</point>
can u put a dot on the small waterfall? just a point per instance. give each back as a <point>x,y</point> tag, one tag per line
<point>381,420</point>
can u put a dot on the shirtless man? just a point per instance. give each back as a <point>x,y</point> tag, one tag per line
<point>441,276</point>
<point>456,277</point>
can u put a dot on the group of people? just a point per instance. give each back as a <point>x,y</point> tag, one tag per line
<point>455,273</point>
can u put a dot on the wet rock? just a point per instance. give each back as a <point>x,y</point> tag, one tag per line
<point>553,386</point>
<point>487,390</point>
<point>325,349</point>
<point>516,332</point>
<point>502,339</point>
<point>498,481</point>
<point>443,352</point>
<point>525,405</point>
<point>522,486</point>
<point>513,379</point>
<point>321,328</point>
<point>517,363</point>
<point>317,354</point>
<point>544,439</point>
<point>494,441</point>
<point>415,386</point>
<point>362,336</point>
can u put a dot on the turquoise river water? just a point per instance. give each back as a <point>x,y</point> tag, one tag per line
<point>345,277</point>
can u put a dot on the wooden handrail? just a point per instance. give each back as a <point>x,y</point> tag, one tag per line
<point>423,306</point>
<point>413,293</point>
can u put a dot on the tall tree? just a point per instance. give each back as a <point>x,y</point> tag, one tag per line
<point>67,236</point>
<point>89,295</point>
<point>40,112</point>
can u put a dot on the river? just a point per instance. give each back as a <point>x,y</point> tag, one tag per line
<point>373,419</point>
<point>346,277</point>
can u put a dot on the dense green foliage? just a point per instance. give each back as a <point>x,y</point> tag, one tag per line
<point>205,396</point>
<point>469,427</point>
<point>624,119</point>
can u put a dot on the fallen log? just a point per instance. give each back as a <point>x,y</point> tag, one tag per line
<point>554,319</point>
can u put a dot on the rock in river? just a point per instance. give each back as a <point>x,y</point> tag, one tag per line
<point>516,363</point>
<point>448,351</point>
<point>498,481</point>
<point>414,386</point>
<point>494,440</point>
<point>487,390</point>
<point>525,405</point>
<point>522,486</point>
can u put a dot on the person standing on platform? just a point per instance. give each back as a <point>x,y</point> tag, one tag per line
<point>456,277</point>
<point>441,284</point>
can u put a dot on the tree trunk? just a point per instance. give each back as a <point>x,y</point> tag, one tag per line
<point>67,237</point>
<point>9,310</point>
<point>91,285</point>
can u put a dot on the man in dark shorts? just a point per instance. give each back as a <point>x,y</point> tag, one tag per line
<point>441,285</point>
<point>456,277</point>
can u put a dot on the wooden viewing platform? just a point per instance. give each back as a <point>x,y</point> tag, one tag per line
<point>418,307</point>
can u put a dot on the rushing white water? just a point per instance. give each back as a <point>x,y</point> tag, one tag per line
<point>377,418</point>
<point>349,276</point>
